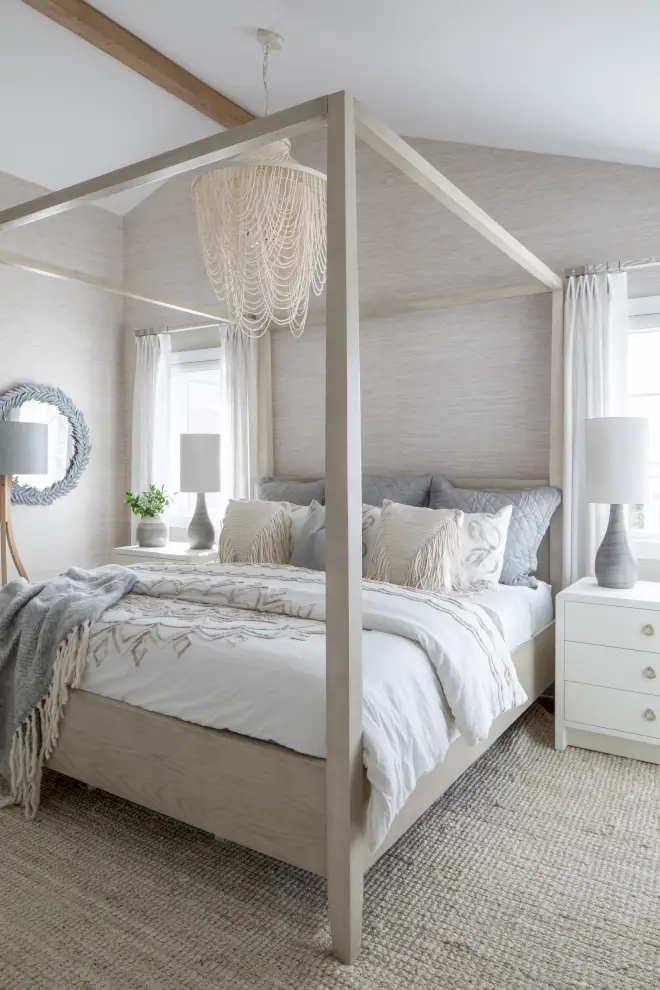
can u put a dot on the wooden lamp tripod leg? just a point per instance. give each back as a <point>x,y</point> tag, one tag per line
<point>3,530</point>
<point>7,532</point>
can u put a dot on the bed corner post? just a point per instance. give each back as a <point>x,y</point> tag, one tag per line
<point>343,469</point>
<point>556,472</point>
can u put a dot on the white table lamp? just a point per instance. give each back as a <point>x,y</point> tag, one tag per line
<point>617,466</point>
<point>200,473</point>
<point>23,450</point>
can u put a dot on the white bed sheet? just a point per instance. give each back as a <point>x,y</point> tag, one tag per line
<point>519,613</point>
<point>284,701</point>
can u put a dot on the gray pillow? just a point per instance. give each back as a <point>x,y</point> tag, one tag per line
<point>530,518</point>
<point>291,490</point>
<point>309,550</point>
<point>407,489</point>
<point>309,545</point>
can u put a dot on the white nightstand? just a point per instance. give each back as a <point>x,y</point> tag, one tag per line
<point>607,681</point>
<point>178,553</point>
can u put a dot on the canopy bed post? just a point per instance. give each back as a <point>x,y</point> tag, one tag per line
<point>344,775</point>
<point>556,466</point>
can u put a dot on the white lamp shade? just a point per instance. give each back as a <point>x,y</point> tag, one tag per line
<point>23,448</point>
<point>200,462</point>
<point>617,460</point>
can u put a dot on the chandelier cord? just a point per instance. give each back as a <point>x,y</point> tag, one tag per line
<point>265,77</point>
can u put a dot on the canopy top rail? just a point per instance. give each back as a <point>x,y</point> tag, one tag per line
<point>255,133</point>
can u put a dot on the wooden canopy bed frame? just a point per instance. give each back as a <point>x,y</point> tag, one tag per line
<point>305,811</point>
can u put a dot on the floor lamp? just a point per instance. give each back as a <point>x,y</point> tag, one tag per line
<point>23,450</point>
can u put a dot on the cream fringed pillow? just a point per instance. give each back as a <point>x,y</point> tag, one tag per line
<point>417,548</point>
<point>255,533</point>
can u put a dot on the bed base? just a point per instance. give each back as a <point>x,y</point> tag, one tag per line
<point>257,794</point>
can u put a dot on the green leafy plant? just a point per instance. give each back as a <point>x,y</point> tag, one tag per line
<point>149,503</point>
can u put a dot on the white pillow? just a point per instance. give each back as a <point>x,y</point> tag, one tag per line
<point>370,525</point>
<point>297,514</point>
<point>416,547</point>
<point>482,544</point>
<point>254,532</point>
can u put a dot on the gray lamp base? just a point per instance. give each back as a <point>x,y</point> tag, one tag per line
<point>201,534</point>
<point>616,566</point>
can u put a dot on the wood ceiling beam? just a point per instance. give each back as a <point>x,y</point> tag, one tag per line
<point>108,36</point>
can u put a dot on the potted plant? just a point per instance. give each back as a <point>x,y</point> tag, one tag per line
<point>152,530</point>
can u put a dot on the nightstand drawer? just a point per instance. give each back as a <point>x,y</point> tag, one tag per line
<point>605,708</point>
<point>608,625</point>
<point>626,670</point>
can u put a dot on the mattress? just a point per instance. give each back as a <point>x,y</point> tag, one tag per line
<point>285,702</point>
<point>519,613</point>
<point>277,693</point>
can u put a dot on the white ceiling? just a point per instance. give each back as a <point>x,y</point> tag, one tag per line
<point>572,77</point>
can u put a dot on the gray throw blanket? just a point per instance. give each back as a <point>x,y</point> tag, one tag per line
<point>44,630</point>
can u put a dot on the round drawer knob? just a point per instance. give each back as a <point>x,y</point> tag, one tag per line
<point>648,629</point>
<point>649,673</point>
<point>649,715</point>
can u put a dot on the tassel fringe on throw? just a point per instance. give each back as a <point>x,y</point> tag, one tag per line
<point>36,738</point>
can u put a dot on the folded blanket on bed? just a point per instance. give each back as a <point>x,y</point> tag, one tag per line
<point>44,631</point>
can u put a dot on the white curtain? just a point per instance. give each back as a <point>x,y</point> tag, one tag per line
<point>249,412</point>
<point>595,370</point>
<point>151,412</point>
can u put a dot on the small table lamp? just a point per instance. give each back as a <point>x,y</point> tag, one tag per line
<point>200,473</point>
<point>23,450</point>
<point>617,463</point>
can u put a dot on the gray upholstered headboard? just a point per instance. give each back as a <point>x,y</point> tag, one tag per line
<point>549,555</point>
<point>550,550</point>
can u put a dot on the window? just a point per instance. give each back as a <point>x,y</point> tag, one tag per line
<point>644,400</point>
<point>197,406</point>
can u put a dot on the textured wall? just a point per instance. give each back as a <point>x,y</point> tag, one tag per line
<point>69,335</point>
<point>465,390</point>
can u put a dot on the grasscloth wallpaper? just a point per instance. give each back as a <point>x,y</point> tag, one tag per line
<point>69,335</point>
<point>463,391</point>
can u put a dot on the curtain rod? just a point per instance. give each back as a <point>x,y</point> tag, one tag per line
<point>148,332</point>
<point>612,266</point>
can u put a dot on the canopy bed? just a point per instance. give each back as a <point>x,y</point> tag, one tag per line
<point>307,811</point>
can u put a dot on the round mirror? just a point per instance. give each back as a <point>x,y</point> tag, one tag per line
<point>68,441</point>
<point>60,442</point>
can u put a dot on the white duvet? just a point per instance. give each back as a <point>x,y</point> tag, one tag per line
<point>253,638</point>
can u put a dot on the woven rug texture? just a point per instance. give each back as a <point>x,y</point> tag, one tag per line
<point>536,870</point>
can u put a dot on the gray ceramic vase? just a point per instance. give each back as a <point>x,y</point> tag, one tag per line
<point>201,534</point>
<point>152,531</point>
<point>616,566</point>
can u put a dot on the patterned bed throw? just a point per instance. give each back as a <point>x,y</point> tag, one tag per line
<point>236,611</point>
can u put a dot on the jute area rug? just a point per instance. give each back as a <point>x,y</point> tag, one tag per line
<point>537,870</point>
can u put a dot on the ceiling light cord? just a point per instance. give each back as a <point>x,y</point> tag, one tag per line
<point>265,77</point>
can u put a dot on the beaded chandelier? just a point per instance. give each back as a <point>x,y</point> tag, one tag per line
<point>262,225</point>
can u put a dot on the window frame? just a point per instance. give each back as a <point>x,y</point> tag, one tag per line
<point>202,359</point>
<point>644,315</point>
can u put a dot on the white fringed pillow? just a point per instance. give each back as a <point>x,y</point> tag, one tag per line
<point>255,533</point>
<point>417,548</point>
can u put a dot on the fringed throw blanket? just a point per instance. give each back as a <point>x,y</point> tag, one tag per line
<point>44,632</point>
